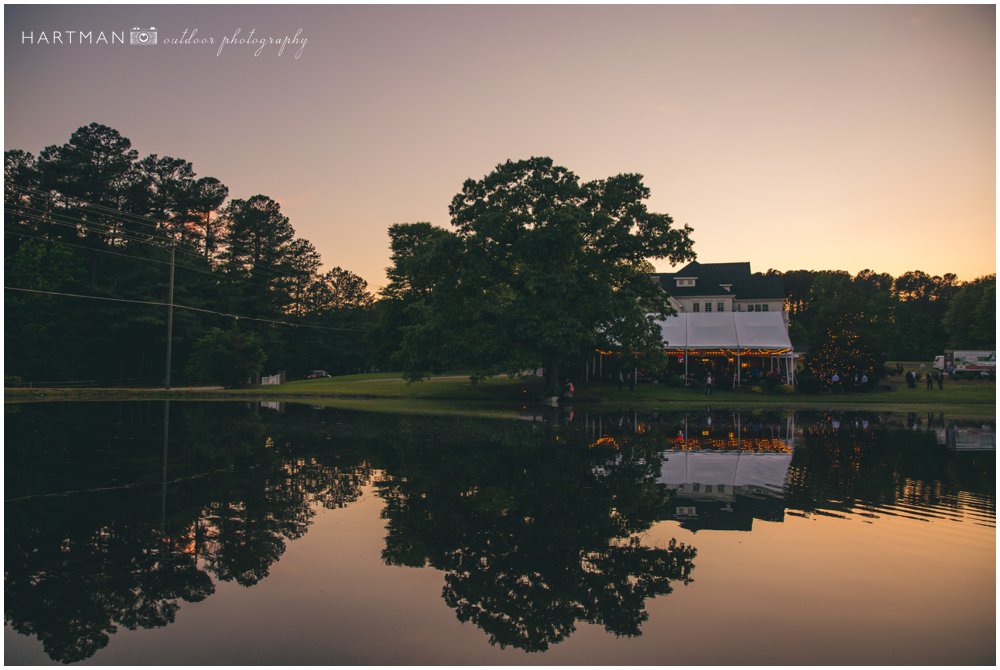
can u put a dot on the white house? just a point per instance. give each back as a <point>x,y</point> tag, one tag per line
<point>722,287</point>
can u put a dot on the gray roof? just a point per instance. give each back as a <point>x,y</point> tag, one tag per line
<point>711,276</point>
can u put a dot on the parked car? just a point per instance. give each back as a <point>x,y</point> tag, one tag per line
<point>316,374</point>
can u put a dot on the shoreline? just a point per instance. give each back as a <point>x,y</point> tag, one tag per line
<point>457,401</point>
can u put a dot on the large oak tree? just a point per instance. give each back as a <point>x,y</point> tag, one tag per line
<point>539,270</point>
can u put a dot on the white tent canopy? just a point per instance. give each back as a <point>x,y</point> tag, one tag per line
<point>765,471</point>
<point>730,330</point>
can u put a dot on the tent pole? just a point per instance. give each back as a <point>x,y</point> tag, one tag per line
<point>739,434</point>
<point>739,372</point>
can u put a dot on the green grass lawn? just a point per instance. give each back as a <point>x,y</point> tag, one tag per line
<point>501,396</point>
<point>976,398</point>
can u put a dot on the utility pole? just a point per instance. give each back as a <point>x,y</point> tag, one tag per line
<point>170,315</point>
<point>163,476</point>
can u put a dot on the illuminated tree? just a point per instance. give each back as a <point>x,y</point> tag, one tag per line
<point>847,350</point>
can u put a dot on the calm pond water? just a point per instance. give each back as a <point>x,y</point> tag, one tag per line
<point>262,533</point>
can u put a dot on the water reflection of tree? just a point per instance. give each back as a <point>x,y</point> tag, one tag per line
<point>73,585</point>
<point>534,526</point>
<point>126,558</point>
<point>534,534</point>
<point>851,458</point>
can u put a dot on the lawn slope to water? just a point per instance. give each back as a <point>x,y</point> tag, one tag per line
<point>503,396</point>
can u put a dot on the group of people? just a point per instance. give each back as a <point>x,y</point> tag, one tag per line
<point>858,380</point>
<point>938,377</point>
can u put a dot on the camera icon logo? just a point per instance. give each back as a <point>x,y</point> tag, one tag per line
<point>142,37</point>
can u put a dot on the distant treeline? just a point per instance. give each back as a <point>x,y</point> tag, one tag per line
<point>89,229</point>
<point>911,317</point>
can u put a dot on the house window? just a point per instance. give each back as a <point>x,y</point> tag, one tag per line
<point>763,307</point>
<point>696,307</point>
<point>708,307</point>
<point>722,307</point>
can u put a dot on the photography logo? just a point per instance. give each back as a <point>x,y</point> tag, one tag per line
<point>142,36</point>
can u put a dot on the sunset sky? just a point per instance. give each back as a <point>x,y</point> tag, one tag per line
<point>816,137</point>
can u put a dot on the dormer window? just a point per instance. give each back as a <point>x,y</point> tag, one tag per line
<point>686,281</point>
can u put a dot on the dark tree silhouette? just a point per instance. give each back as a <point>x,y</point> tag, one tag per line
<point>539,270</point>
<point>533,534</point>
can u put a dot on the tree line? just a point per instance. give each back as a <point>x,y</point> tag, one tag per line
<point>538,269</point>
<point>92,218</point>
<point>912,317</point>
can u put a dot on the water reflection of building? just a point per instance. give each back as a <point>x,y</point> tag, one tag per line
<point>958,434</point>
<point>722,478</point>
<point>976,438</point>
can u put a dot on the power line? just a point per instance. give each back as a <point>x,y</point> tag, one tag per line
<point>87,204</point>
<point>122,217</point>
<point>100,251</point>
<point>114,214</point>
<point>78,224</point>
<point>136,258</point>
<point>193,309</point>
<point>210,273</point>
<point>62,219</point>
<point>142,259</point>
<point>134,240</point>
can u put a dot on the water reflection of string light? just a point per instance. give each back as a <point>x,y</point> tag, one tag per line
<point>745,444</point>
<point>731,443</point>
<point>605,442</point>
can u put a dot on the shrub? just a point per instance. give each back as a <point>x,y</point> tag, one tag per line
<point>809,383</point>
<point>228,357</point>
<point>771,381</point>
